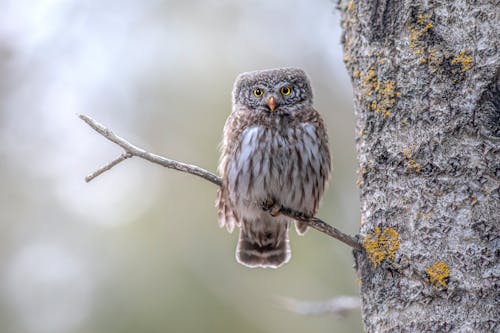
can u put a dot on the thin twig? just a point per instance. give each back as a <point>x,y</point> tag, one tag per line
<point>132,150</point>
<point>339,305</point>
<point>108,166</point>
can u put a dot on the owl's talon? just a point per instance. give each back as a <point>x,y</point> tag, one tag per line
<point>271,207</point>
<point>267,205</point>
<point>275,210</point>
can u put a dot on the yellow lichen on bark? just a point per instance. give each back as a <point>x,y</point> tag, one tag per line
<point>370,79</point>
<point>413,165</point>
<point>438,273</point>
<point>381,245</point>
<point>384,93</point>
<point>418,31</point>
<point>425,22</point>
<point>464,59</point>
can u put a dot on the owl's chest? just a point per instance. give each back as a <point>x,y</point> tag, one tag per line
<point>269,162</point>
<point>265,150</point>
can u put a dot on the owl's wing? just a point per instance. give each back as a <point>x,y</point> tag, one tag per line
<point>314,128</point>
<point>225,214</point>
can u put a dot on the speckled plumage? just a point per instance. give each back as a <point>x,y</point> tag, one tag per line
<point>274,153</point>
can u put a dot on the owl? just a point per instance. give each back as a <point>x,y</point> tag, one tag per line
<point>274,154</point>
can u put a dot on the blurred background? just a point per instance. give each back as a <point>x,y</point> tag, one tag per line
<point>138,249</point>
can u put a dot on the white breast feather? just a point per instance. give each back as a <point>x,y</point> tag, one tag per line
<point>278,186</point>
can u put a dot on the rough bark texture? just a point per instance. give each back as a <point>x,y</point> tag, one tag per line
<point>427,99</point>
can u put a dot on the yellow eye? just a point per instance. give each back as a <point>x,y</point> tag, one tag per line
<point>286,90</point>
<point>258,92</point>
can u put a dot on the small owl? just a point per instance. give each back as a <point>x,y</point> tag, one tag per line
<point>274,154</point>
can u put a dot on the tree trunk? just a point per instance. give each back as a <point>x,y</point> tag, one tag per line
<point>426,83</point>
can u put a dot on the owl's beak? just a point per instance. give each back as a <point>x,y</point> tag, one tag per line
<point>271,102</point>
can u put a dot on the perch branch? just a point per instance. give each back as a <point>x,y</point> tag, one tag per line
<point>324,227</point>
<point>339,305</point>
<point>131,150</point>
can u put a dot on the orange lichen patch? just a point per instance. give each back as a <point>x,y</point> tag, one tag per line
<point>464,59</point>
<point>384,93</point>
<point>424,21</point>
<point>438,273</point>
<point>412,164</point>
<point>418,31</point>
<point>355,74</point>
<point>415,42</point>
<point>381,245</point>
<point>352,17</point>
<point>386,98</point>
<point>370,79</point>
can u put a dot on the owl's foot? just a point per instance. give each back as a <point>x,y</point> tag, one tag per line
<point>271,207</point>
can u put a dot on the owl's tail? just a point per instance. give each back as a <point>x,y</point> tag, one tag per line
<point>263,243</point>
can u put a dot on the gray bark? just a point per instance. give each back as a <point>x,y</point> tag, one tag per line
<point>426,83</point>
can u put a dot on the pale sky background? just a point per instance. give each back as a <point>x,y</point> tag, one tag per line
<point>139,249</point>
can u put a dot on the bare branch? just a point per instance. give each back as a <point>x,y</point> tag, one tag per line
<point>108,166</point>
<point>132,150</point>
<point>139,152</point>
<point>324,227</point>
<point>339,305</point>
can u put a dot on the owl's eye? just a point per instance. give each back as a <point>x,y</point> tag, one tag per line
<point>258,92</point>
<point>286,90</point>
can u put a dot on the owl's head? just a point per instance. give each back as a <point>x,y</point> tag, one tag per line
<point>275,91</point>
